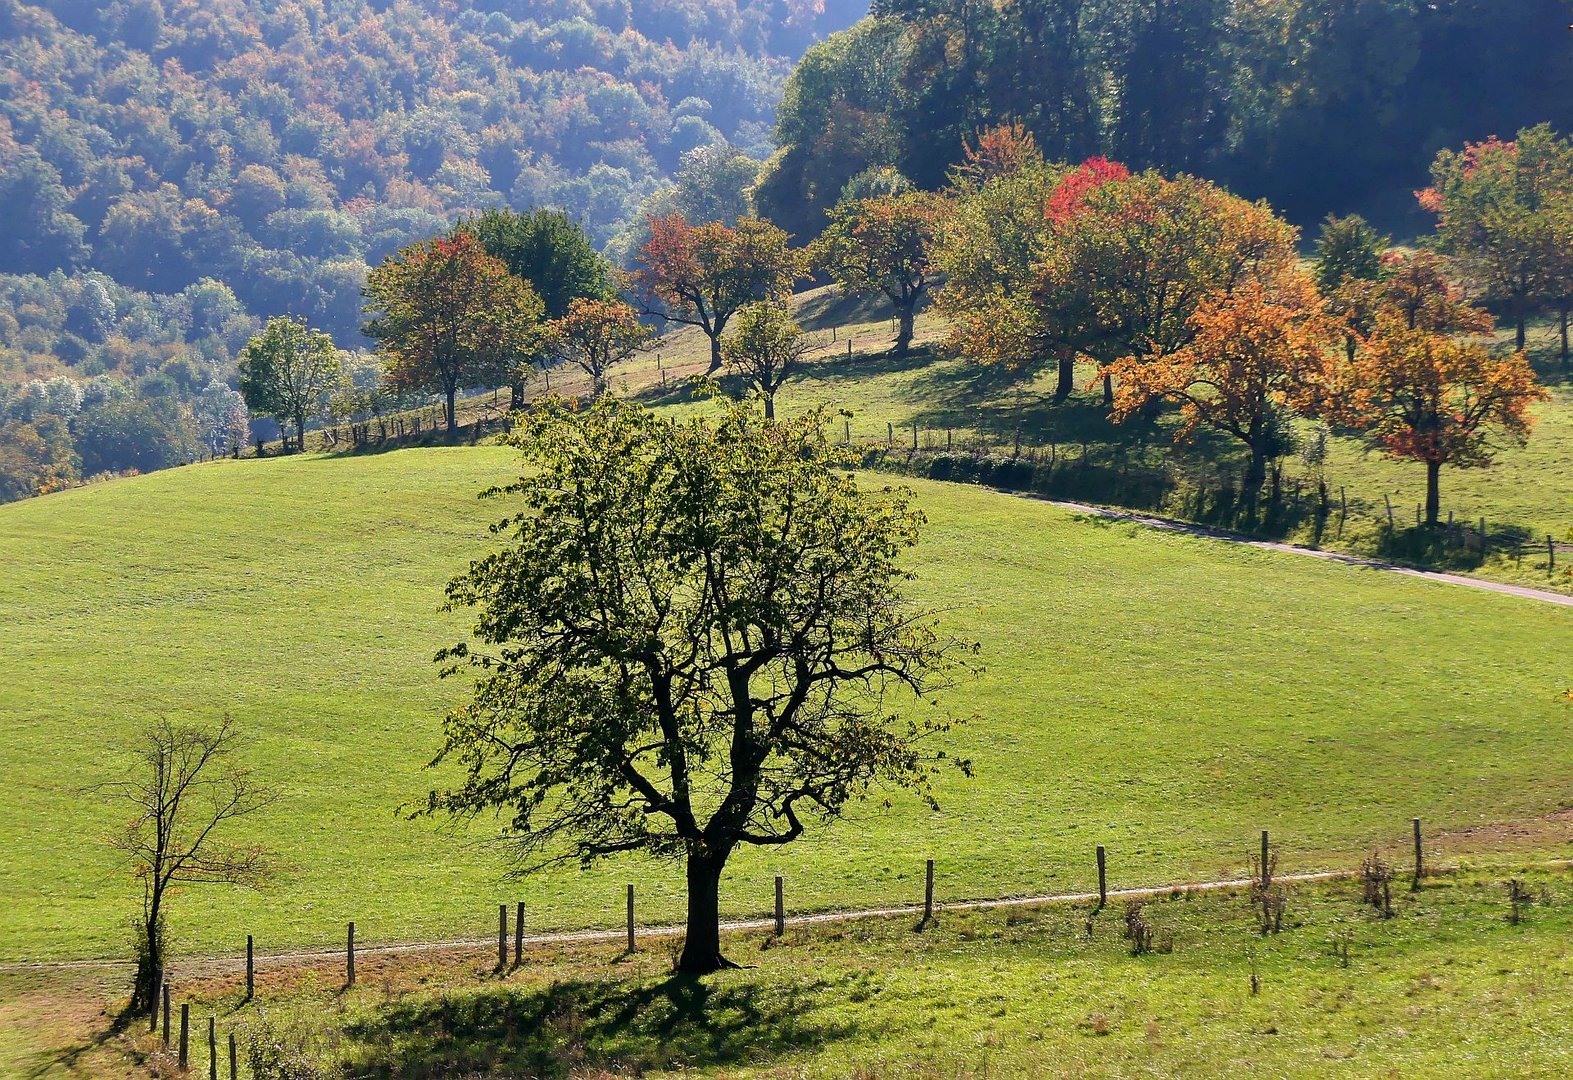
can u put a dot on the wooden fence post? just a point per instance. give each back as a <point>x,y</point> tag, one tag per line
<point>1389,503</point>
<point>1267,877</point>
<point>847,429</point>
<point>166,1016</point>
<point>349,956</point>
<point>1420,864</point>
<point>251,968</point>
<point>1551,553</point>
<point>502,936</point>
<point>212,1048</point>
<point>630,918</point>
<point>234,1063</point>
<point>185,1035</point>
<point>518,934</point>
<point>928,892</point>
<point>780,906</point>
<point>1343,501</point>
<point>890,433</point>
<point>1103,877</point>
<point>849,348</point>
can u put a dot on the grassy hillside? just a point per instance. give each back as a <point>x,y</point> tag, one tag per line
<point>1525,496</point>
<point>1163,696</point>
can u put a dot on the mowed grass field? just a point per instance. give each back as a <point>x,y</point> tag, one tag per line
<point>1164,696</point>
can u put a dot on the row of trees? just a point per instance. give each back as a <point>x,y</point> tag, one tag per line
<point>1317,106</point>
<point>1183,294</point>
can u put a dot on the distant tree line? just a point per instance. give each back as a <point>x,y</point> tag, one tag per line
<point>1315,106</point>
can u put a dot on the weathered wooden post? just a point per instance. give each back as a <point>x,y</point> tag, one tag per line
<point>1103,877</point>
<point>1420,863</point>
<point>1267,876</point>
<point>890,434</point>
<point>928,892</point>
<point>502,936</point>
<point>630,918</point>
<point>1551,553</point>
<point>166,1016</point>
<point>518,934</point>
<point>780,906</point>
<point>234,1065</point>
<point>212,1048</point>
<point>185,1035</point>
<point>251,968</point>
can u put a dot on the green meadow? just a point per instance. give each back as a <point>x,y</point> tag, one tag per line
<point>1164,696</point>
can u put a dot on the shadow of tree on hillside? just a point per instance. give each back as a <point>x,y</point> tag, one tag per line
<point>589,1026</point>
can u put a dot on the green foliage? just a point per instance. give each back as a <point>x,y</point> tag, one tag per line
<point>766,347</point>
<point>1348,249</point>
<point>286,370</point>
<point>446,314</point>
<point>696,639</point>
<point>548,249</point>
<point>1315,106</point>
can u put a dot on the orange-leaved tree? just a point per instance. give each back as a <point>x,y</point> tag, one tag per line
<point>1432,397</point>
<point>699,275</point>
<point>1130,264</point>
<point>1256,355</point>
<point>595,335</point>
<point>883,245</point>
<point>445,314</point>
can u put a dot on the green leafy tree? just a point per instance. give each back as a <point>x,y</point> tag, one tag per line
<point>1348,249</point>
<point>884,246</point>
<point>696,640</point>
<point>550,250</point>
<point>766,348</point>
<point>285,370</point>
<point>445,314</point>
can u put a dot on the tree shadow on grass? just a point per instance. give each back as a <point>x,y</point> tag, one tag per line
<point>580,1026</point>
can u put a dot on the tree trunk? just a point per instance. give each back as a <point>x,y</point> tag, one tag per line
<point>150,965</point>
<point>516,397</point>
<point>1522,336</point>
<point>1564,313</point>
<point>1255,477</point>
<point>1067,383</point>
<point>702,944</point>
<point>450,414</point>
<point>1433,492</point>
<point>904,335</point>
<point>715,354</point>
<point>1108,391</point>
<point>770,406</point>
<point>300,433</point>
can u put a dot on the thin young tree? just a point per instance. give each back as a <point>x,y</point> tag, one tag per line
<point>186,787</point>
<point>766,348</point>
<point>697,639</point>
<point>595,336</point>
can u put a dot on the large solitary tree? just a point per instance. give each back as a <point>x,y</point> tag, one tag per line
<point>285,371</point>
<point>445,314</point>
<point>696,639</point>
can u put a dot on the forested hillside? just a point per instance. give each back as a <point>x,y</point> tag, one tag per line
<point>1317,106</point>
<point>280,147</point>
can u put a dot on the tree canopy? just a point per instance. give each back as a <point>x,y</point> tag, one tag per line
<point>696,639</point>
